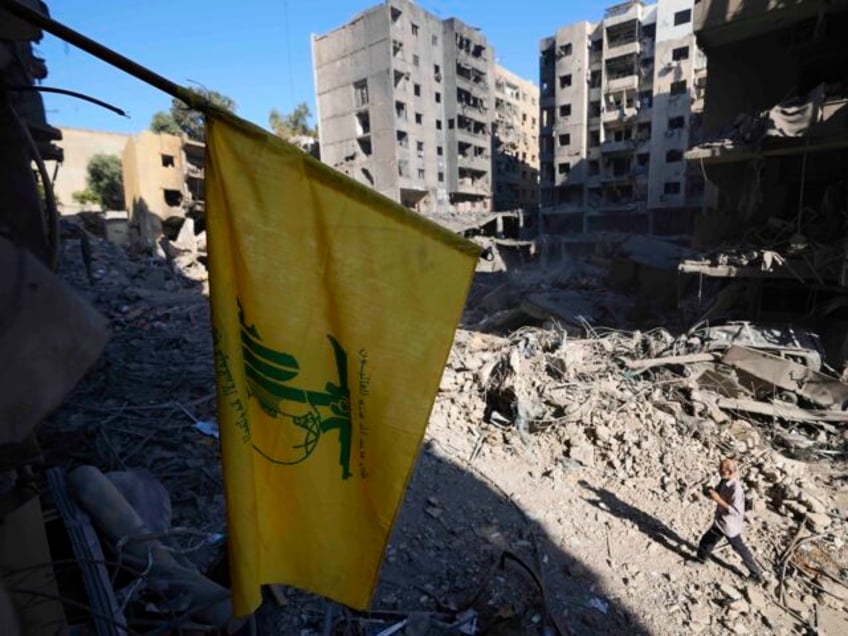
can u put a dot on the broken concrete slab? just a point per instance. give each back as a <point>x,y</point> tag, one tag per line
<point>773,371</point>
<point>787,412</point>
<point>782,340</point>
<point>650,363</point>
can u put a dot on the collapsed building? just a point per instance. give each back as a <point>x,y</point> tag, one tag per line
<point>163,177</point>
<point>773,236</point>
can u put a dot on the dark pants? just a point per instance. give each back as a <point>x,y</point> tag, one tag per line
<point>711,539</point>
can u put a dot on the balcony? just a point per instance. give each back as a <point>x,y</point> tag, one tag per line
<point>607,207</point>
<point>613,147</point>
<point>626,47</point>
<point>619,115</point>
<point>625,83</point>
<point>562,208</point>
<point>478,162</point>
<point>195,172</point>
<point>616,177</point>
<point>469,185</point>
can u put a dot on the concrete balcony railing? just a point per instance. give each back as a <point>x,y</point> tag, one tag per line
<point>561,208</point>
<point>611,147</point>
<point>480,162</point>
<point>625,48</point>
<point>195,171</point>
<point>616,177</point>
<point>619,115</point>
<point>466,185</point>
<point>626,83</point>
<point>602,206</point>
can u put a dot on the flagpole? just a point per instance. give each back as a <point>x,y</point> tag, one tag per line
<point>104,53</point>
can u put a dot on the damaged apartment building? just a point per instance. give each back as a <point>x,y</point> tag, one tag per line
<point>406,104</point>
<point>515,142</point>
<point>620,104</point>
<point>774,240</point>
<point>163,179</point>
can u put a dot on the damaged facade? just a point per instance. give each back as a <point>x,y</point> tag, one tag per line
<point>163,182</point>
<point>515,142</point>
<point>405,104</point>
<point>620,105</point>
<point>775,123</point>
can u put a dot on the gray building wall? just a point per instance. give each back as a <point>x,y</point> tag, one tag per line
<point>605,146</point>
<point>405,138</point>
<point>515,148</point>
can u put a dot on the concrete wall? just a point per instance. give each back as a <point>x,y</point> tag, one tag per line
<point>667,71</point>
<point>564,139</point>
<point>357,52</point>
<point>468,48</point>
<point>407,57</point>
<point>516,150</point>
<point>79,147</point>
<point>148,182</point>
<point>719,22</point>
<point>609,172</point>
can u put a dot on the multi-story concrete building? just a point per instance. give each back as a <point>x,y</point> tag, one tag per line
<point>406,105</point>
<point>620,103</point>
<point>163,182</point>
<point>515,142</point>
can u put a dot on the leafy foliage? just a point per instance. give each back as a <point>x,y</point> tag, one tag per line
<point>163,122</point>
<point>84,197</point>
<point>293,124</point>
<point>105,181</point>
<point>182,119</point>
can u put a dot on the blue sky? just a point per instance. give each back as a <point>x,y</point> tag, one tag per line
<point>255,51</point>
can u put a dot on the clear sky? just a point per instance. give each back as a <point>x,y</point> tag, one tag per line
<point>256,51</point>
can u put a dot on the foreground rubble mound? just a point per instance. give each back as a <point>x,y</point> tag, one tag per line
<point>631,426</point>
<point>560,481</point>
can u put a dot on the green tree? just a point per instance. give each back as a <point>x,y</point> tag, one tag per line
<point>293,124</point>
<point>182,119</point>
<point>105,182</point>
<point>163,122</point>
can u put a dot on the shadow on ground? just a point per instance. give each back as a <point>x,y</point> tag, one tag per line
<point>136,409</point>
<point>651,526</point>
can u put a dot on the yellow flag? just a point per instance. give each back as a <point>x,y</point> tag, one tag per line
<point>333,310</point>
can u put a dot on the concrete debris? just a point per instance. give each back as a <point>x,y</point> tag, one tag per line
<point>772,371</point>
<point>582,449</point>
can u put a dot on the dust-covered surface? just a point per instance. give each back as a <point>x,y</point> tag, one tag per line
<point>559,489</point>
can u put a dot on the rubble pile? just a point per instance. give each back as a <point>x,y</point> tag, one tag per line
<point>579,452</point>
<point>148,405</point>
<point>623,408</point>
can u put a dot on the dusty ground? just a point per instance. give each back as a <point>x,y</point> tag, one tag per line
<point>603,505</point>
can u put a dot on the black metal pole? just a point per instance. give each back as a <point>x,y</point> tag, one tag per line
<point>106,54</point>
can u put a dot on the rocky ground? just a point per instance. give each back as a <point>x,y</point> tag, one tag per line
<point>558,491</point>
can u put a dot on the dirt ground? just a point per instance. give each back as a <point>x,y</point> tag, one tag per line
<point>583,525</point>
